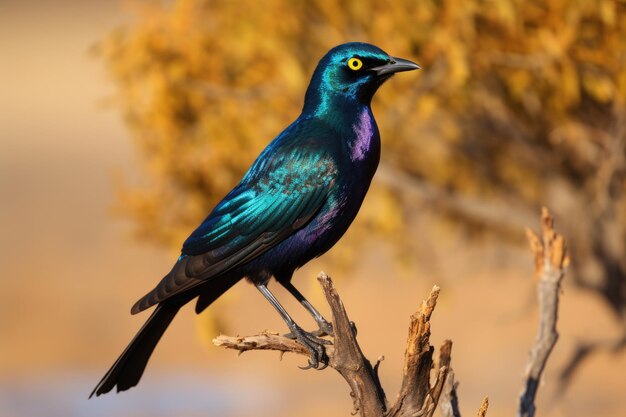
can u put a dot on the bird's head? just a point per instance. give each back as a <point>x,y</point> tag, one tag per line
<point>351,72</point>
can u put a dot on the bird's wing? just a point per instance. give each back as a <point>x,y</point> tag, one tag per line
<point>281,197</point>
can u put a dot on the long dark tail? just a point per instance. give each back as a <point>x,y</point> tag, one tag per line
<point>128,368</point>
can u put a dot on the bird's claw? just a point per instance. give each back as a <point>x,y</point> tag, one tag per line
<point>315,345</point>
<point>309,366</point>
<point>314,365</point>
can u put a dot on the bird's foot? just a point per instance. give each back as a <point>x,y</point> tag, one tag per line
<point>325,329</point>
<point>315,345</point>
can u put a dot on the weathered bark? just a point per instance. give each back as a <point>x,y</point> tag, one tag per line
<point>418,396</point>
<point>551,261</point>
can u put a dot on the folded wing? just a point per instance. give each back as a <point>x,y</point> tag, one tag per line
<point>257,215</point>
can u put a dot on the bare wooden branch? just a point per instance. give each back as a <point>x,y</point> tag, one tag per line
<point>264,341</point>
<point>482,411</point>
<point>417,396</point>
<point>449,403</point>
<point>418,361</point>
<point>348,359</point>
<point>443,370</point>
<point>551,261</point>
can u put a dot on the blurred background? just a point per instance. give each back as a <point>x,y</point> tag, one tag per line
<point>123,123</point>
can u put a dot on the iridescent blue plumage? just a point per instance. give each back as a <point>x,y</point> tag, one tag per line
<point>295,202</point>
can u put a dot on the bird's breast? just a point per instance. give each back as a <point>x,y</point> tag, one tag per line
<point>365,137</point>
<point>356,164</point>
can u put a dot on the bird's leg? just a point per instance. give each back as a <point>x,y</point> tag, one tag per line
<point>314,344</point>
<point>325,327</point>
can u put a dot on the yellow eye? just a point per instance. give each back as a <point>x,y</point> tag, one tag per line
<point>355,64</point>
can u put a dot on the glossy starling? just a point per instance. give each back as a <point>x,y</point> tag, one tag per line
<point>295,202</point>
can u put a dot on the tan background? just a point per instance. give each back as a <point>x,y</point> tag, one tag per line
<point>71,271</point>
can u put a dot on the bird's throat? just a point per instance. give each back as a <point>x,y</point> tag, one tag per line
<point>364,129</point>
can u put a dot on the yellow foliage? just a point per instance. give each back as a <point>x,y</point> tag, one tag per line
<point>205,87</point>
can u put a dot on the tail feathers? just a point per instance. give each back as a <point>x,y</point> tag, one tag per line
<point>174,283</point>
<point>128,368</point>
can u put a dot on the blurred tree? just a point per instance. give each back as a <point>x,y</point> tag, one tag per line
<point>521,103</point>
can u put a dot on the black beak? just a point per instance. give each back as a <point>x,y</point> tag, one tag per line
<point>395,65</point>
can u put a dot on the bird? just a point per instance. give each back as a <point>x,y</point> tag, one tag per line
<point>294,203</point>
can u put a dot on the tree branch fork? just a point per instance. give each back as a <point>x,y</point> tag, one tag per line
<point>426,381</point>
<point>417,397</point>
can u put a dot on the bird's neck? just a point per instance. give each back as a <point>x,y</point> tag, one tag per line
<point>337,108</point>
<point>356,125</point>
<point>351,117</point>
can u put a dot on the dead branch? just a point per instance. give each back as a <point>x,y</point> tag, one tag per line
<point>417,396</point>
<point>264,341</point>
<point>551,261</point>
<point>482,411</point>
<point>348,359</point>
<point>449,403</point>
